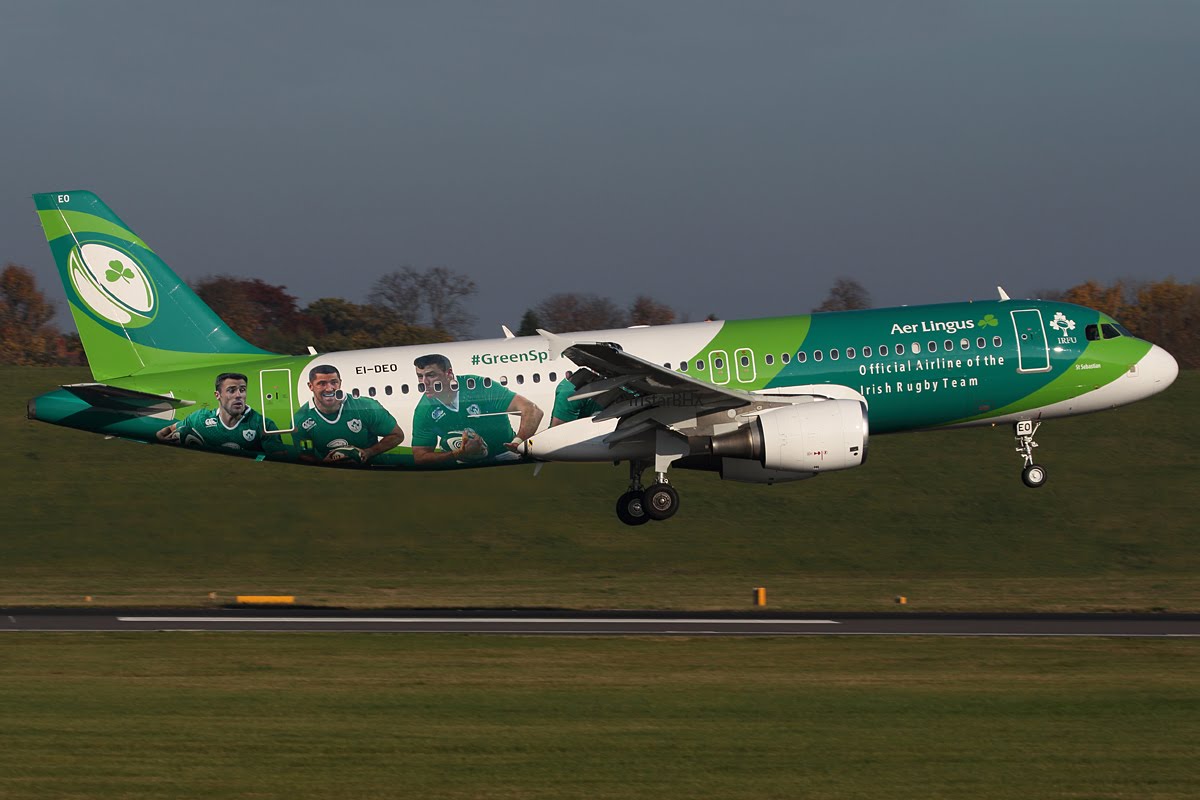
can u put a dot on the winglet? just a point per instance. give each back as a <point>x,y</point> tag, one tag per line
<point>507,333</point>
<point>1003,294</point>
<point>555,343</point>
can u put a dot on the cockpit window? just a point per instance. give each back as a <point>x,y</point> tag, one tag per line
<point>1106,330</point>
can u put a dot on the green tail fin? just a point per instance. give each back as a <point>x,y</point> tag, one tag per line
<point>133,313</point>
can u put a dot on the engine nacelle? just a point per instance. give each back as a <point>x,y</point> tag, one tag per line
<point>820,436</point>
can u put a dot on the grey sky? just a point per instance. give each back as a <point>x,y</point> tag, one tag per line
<point>722,157</point>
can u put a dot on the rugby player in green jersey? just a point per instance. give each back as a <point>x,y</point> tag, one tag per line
<point>343,429</point>
<point>568,410</point>
<point>232,426</point>
<point>468,416</point>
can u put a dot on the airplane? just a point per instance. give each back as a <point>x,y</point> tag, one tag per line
<point>758,401</point>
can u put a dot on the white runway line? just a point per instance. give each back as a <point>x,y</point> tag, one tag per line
<point>487,620</point>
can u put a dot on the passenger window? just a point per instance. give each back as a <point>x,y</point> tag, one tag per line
<point>818,355</point>
<point>387,390</point>
<point>487,383</point>
<point>404,389</point>
<point>916,348</point>
<point>981,342</point>
<point>718,363</point>
<point>850,352</point>
<point>932,346</point>
<point>867,351</point>
<point>965,344</point>
<point>371,391</point>
<point>996,341</point>
<point>437,386</point>
<point>504,380</point>
<point>834,355</point>
<point>453,385</point>
<point>553,377</point>
<point>948,345</point>
<point>900,349</point>
<point>801,356</point>
<point>770,359</point>
<point>537,377</point>
<point>882,350</point>
<point>354,392</point>
<point>520,379</point>
<point>683,365</point>
<point>700,364</point>
<point>786,357</point>
<point>421,388</point>
<point>470,383</point>
<point>745,361</point>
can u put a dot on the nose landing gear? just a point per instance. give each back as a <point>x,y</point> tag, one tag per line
<point>1033,475</point>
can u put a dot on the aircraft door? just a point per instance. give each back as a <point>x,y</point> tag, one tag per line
<point>743,365</point>
<point>277,391</point>
<point>720,366</point>
<point>1033,351</point>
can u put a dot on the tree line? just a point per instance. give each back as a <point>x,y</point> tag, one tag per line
<point>411,306</point>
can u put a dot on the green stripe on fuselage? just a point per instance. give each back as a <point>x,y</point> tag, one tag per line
<point>924,387</point>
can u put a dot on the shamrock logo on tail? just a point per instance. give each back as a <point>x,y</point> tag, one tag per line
<point>989,320</point>
<point>117,271</point>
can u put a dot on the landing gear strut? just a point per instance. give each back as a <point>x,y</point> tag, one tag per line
<point>638,506</point>
<point>1033,475</point>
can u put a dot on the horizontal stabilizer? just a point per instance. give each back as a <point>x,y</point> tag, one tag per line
<point>129,401</point>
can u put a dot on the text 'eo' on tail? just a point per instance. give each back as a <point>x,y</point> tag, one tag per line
<point>133,313</point>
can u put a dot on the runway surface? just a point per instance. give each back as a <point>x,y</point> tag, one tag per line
<point>558,623</point>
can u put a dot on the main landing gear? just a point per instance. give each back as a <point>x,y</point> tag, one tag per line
<point>1033,475</point>
<point>638,506</point>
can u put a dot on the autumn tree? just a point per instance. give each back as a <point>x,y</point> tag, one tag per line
<point>433,298</point>
<point>648,311</point>
<point>353,326</point>
<point>261,313</point>
<point>529,323</point>
<point>847,294</point>
<point>27,336</point>
<point>571,311</point>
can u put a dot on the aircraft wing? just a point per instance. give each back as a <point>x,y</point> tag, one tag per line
<point>626,378</point>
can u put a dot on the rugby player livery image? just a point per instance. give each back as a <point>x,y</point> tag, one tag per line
<point>232,426</point>
<point>467,419</point>
<point>334,428</point>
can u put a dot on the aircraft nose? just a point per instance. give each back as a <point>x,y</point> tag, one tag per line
<point>1160,367</point>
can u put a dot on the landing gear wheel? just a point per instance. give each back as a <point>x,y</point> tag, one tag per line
<point>630,509</point>
<point>660,501</point>
<point>1034,476</point>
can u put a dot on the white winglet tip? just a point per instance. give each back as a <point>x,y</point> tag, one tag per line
<point>1003,294</point>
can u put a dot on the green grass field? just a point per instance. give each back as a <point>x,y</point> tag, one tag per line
<point>941,518</point>
<point>369,715</point>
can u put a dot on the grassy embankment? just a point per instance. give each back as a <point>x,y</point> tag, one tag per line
<point>370,715</point>
<point>939,517</point>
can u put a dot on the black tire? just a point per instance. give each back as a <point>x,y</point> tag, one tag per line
<point>660,501</point>
<point>1034,476</point>
<point>629,509</point>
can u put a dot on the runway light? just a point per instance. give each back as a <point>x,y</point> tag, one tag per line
<point>760,596</point>
<point>901,600</point>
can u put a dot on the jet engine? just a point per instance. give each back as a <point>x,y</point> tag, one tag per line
<point>820,436</point>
